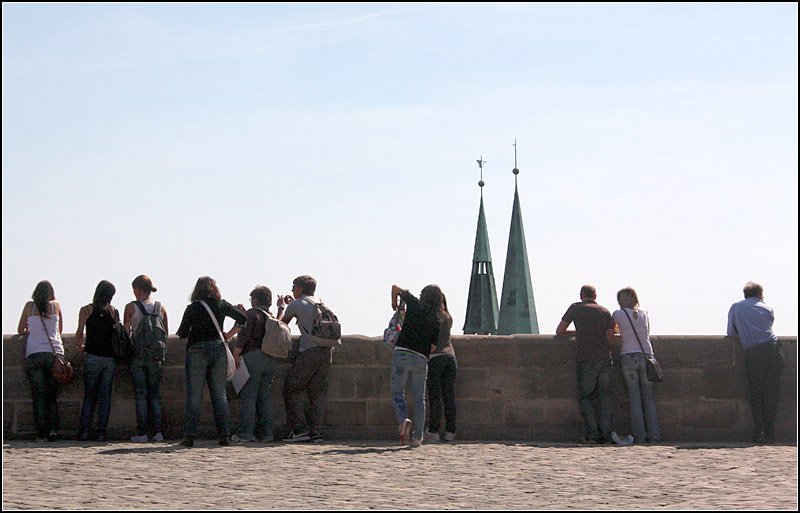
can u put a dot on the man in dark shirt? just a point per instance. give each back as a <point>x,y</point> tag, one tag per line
<point>594,329</point>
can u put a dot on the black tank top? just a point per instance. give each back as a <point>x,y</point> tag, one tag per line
<point>99,329</point>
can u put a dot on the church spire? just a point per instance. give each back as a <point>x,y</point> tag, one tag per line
<point>517,309</point>
<point>481,317</point>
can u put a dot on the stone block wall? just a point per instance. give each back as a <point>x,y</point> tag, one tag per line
<point>518,387</point>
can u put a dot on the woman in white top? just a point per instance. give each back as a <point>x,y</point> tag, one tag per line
<point>634,328</point>
<point>41,320</point>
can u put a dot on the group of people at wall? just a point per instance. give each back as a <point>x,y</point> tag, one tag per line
<point>596,329</point>
<point>423,355</point>
<point>206,361</point>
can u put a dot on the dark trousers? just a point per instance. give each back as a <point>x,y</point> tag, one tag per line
<point>442,390</point>
<point>309,374</point>
<point>39,370</point>
<point>764,364</point>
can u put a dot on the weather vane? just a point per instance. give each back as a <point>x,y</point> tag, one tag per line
<point>516,169</point>
<point>481,162</point>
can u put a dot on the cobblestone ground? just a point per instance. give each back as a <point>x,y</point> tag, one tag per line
<point>375,475</point>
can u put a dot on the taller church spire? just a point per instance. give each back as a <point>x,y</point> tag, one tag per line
<point>517,309</point>
<point>481,317</point>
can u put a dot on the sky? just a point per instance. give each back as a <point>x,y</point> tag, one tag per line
<point>657,148</point>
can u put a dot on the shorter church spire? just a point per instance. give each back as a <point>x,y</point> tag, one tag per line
<point>482,311</point>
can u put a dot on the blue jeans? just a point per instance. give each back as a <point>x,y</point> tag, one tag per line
<point>147,384</point>
<point>595,375</point>
<point>98,381</point>
<point>44,387</point>
<point>442,389</point>
<point>256,395</point>
<point>414,368</point>
<point>206,362</point>
<point>640,393</point>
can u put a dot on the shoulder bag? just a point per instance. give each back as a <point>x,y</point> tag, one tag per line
<point>654,372</point>
<point>231,362</point>
<point>62,369</point>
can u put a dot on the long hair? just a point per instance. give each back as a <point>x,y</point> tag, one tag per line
<point>206,289</point>
<point>42,295</point>
<point>103,295</point>
<point>433,297</point>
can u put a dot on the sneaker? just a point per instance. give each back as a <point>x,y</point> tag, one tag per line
<point>416,442</point>
<point>405,431</point>
<point>159,437</point>
<point>139,438</point>
<point>432,437</point>
<point>316,438</point>
<point>297,437</point>
<point>628,440</point>
<point>449,437</point>
<point>41,439</point>
<point>188,441</point>
<point>52,437</point>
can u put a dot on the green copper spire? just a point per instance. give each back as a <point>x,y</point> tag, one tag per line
<point>481,317</point>
<point>517,309</point>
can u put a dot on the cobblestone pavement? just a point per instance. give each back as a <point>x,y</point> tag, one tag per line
<point>377,475</point>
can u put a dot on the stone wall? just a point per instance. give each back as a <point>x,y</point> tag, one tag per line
<point>520,387</point>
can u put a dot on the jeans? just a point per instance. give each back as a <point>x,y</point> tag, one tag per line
<point>442,389</point>
<point>411,367</point>
<point>644,424</point>
<point>147,384</point>
<point>98,381</point>
<point>595,375</point>
<point>256,406</point>
<point>309,374</point>
<point>206,363</point>
<point>44,387</point>
<point>764,364</point>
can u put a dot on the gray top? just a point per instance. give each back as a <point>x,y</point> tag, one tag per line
<point>304,310</point>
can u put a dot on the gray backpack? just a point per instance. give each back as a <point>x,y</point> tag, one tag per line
<point>277,341</point>
<point>150,338</point>
<point>325,330</point>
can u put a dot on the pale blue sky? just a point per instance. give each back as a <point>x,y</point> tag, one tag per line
<point>255,143</point>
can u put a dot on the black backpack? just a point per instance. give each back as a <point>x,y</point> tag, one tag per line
<point>150,338</point>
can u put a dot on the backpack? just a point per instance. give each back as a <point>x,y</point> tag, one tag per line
<point>325,330</point>
<point>150,337</point>
<point>102,324</point>
<point>277,341</point>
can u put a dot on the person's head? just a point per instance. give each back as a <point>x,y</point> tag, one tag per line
<point>588,292</point>
<point>144,284</point>
<point>42,295</point>
<point>627,298</point>
<point>103,294</point>
<point>753,289</point>
<point>206,289</point>
<point>261,297</point>
<point>304,286</point>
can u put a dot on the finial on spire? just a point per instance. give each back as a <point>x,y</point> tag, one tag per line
<point>481,162</point>
<point>515,170</point>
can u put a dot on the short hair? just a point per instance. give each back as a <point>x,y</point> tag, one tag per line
<point>206,288</point>
<point>262,296</point>
<point>753,289</point>
<point>306,283</point>
<point>627,298</point>
<point>588,291</point>
<point>143,282</point>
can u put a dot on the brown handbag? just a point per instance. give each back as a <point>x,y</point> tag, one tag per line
<point>62,369</point>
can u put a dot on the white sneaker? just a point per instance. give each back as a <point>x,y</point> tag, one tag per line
<point>139,438</point>
<point>416,442</point>
<point>432,437</point>
<point>628,440</point>
<point>158,438</point>
<point>297,437</point>
<point>449,437</point>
